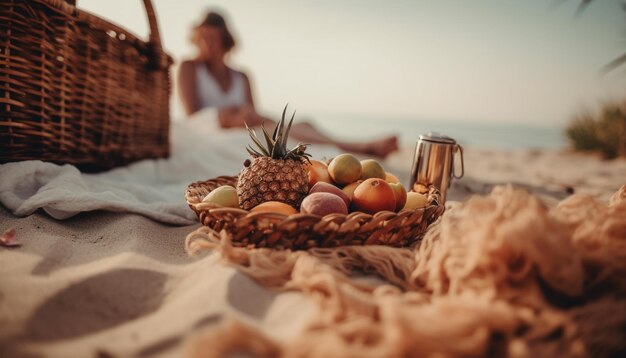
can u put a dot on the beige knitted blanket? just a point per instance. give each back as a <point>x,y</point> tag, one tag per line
<point>499,275</point>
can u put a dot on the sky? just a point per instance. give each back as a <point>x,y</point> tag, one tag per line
<point>503,61</point>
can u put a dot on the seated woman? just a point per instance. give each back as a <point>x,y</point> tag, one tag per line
<point>207,81</point>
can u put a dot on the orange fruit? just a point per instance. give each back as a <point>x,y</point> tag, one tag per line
<point>318,172</point>
<point>373,195</point>
<point>400,193</point>
<point>274,207</point>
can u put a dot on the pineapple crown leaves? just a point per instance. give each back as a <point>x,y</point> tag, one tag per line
<point>276,145</point>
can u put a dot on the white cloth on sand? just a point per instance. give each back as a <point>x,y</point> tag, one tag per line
<point>154,188</point>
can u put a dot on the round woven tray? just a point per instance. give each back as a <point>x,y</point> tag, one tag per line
<point>303,231</point>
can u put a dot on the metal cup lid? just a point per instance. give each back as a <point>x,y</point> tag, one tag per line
<point>437,137</point>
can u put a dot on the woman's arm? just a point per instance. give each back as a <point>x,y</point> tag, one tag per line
<point>234,117</point>
<point>249,98</point>
<point>187,87</point>
<point>238,117</point>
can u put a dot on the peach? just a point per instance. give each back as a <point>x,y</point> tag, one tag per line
<point>344,169</point>
<point>420,188</point>
<point>371,169</point>
<point>322,203</point>
<point>400,194</point>
<point>415,201</point>
<point>274,207</point>
<point>390,178</point>
<point>318,172</point>
<point>374,195</point>
<point>225,195</point>
<point>349,189</point>
<point>322,187</point>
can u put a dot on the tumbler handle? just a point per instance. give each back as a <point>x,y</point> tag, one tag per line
<point>462,164</point>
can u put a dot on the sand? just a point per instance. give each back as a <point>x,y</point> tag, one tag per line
<point>111,284</point>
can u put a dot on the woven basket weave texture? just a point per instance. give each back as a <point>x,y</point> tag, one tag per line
<point>304,231</point>
<point>77,89</point>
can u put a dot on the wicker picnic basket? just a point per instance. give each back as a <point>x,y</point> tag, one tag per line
<point>75,88</point>
<point>304,231</point>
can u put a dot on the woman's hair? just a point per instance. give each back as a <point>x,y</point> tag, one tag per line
<point>215,20</point>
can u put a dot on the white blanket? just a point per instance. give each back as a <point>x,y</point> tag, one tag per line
<point>153,188</point>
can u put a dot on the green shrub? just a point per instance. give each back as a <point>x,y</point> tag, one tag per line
<point>604,133</point>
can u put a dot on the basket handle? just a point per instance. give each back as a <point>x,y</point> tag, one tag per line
<point>158,58</point>
<point>155,37</point>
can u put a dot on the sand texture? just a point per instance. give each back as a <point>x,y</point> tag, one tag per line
<point>113,284</point>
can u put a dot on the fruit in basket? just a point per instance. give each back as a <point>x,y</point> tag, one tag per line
<point>400,194</point>
<point>371,168</point>
<point>344,169</point>
<point>349,189</point>
<point>322,187</point>
<point>318,172</point>
<point>420,188</point>
<point>373,195</point>
<point>225,195</point>
<point>322,203</point>
<point>275,173</point>
<point>415,201</point>
<point>390,178</point>
<point>274,207</point>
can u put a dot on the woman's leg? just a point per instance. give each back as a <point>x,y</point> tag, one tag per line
<point>307,133</point>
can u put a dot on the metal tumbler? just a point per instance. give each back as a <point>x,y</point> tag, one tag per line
<point>433,163</point>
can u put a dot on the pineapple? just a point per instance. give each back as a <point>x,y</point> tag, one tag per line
<point>274,173</point>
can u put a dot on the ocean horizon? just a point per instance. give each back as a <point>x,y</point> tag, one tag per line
<point>470,134</point>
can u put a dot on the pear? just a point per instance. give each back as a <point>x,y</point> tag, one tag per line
<point>415,201</point>
<point>225,195</point>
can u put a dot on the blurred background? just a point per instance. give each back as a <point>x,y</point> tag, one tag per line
<point>491,73</point>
